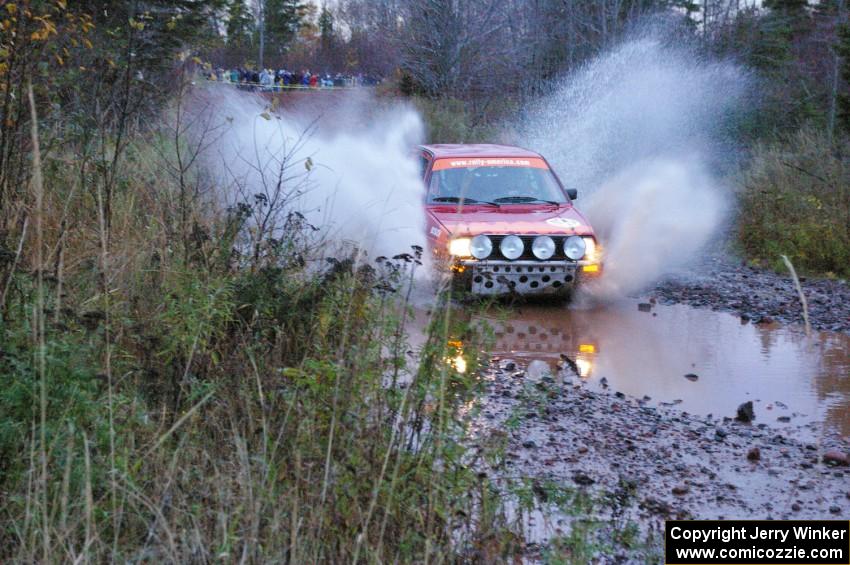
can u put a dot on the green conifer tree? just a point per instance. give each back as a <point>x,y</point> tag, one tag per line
<point>240,24</point>
<point>284,19</point>
<point>843,50</point>
<point>326,28</point>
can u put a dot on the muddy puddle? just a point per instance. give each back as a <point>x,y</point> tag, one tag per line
<point>703,362</point>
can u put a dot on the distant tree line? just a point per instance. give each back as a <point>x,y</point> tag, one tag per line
<point>479,51</point>
<point>120,56</point>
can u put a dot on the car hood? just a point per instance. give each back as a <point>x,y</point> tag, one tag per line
<point>517,219</point>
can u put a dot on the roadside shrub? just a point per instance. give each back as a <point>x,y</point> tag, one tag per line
<point>795,201</point>
<point>73,385</point>
<point>450,120</point>
<point>209,399</point>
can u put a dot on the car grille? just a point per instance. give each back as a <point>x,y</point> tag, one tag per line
<point>527,255</point>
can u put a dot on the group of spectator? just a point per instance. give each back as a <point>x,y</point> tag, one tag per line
<point>269,79</point>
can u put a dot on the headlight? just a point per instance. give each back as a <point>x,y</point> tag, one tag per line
<point>481,247</point>
<point>590,249</point>
<point>459,247</point>
<point>511,247</point>
<point>574,247</point>
<point>543,247</point>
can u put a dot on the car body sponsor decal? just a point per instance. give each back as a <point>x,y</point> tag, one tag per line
<point>568,223</point>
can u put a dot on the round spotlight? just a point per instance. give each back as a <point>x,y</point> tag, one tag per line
<point>511,247</point>
<point>574,247</point>
<point>543,247</point>
<point>481,246</point>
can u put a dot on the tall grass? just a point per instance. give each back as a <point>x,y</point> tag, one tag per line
<point>795,201</point>
<point>200,403</point>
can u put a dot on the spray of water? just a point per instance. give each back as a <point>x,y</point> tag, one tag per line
<point>357,180</point>
<point>641,132</point>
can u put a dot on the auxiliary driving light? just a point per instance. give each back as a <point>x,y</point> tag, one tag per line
<point>543,247</point>
<point>511,247</point>
<point>460,247</point>
<point>574,247</point>
<point>481,246</point>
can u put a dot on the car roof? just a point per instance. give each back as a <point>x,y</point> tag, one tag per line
<point>441,150</point>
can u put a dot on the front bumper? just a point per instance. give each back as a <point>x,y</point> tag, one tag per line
<point>519,277</point>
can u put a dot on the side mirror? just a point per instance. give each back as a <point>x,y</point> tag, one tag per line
<point>572,193</point>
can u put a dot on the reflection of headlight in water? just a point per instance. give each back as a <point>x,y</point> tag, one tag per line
<point>459,363</point>
<point>584,367</point>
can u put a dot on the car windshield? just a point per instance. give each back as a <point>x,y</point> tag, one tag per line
<point>495,185</point>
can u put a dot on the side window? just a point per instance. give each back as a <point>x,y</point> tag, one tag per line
<point>423,165</point>
<point>434,188</point>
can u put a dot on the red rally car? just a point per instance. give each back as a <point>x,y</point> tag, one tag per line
<point>504,221</point>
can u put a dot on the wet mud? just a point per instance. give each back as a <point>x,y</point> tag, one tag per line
<point>636,405</point>
<point>758,295</point>
<point>669,463</point>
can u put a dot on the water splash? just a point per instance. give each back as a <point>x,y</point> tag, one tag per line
<point>642,132</point>
<point>359,182</point>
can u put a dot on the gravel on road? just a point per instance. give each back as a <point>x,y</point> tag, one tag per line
<point>758,295</point>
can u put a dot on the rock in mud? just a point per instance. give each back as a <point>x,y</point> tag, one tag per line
<point>644,306</point>
<point>583,479</point>
<point>754,454</point>
<point>836,458</point>
<point>692,377</point>
<point>745,412</point>
<point>681,490</point>
<point>656,506</point>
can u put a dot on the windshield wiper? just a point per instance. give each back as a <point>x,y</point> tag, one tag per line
<point>459,200</point>
<point>523,199</point>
